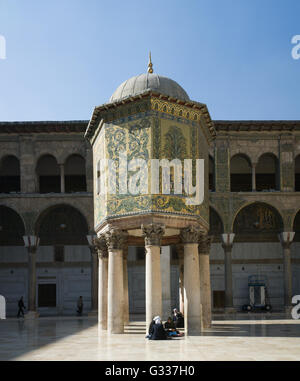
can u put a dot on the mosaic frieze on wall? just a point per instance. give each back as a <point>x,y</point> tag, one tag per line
<point>149,136</point>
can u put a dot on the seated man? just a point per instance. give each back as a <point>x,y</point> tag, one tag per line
<point>178,319</point>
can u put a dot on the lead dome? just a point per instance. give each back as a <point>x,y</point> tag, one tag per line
<point>149,81</point>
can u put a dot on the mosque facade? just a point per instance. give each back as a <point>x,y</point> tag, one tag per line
<point>61,237</point>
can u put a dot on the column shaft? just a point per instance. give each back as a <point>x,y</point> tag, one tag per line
<point>153,283</point>
<point>94,279</point>
<point>62,178</point>
<point>166,281</point>
<point>31,280</point>
<point>125,287</point>
<point>205,289</point>
<point>102,292</point>
<point>287,276</point>
<point>228,278</point>
<point>115,309</point>
<point>192,303</point>
<point>253,178</point>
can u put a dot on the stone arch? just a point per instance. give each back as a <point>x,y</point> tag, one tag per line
<point>12,228</point>
<point>10,174</point>
<point>48,173</point>
<point>296,226</point>
<point>259,221</point>
<point>216,225</point>
<point>240,173</point>
<point>75,173</point>
<point>62,224</point>
<point>267,172</point>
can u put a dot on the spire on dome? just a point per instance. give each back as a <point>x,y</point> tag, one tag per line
<point>150,66</point>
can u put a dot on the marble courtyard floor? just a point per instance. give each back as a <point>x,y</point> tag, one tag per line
<point>232,337</point>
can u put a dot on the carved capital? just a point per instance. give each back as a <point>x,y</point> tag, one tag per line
<point>153,234</point>
<point>190,234</point>
<point>204,244</point>
<point>101,247</point>
<point>116,239</point>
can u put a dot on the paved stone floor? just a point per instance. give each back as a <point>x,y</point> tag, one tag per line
<point>235,337</point>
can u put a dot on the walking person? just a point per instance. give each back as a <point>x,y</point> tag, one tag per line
<point>21,306</point>
<point>79,305</point>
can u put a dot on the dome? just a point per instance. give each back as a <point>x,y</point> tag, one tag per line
<point>149,81</point>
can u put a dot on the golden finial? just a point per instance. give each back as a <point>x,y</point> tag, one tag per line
<point>150,66</point>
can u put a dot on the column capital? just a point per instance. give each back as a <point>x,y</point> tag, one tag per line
<point>153,234</point>
<point>116,238</point>
<point>204,244</point>
<point>101,247</point>
<point>286,239</point>
<point>190,234</point>
<point>31,242</point>
<point>227,241</point>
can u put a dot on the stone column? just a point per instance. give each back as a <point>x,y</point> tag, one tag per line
<point>153,234</point>
<point>101,246</point>
<point>286,239</point>
<point>227,244</point>
<point>253,177</point>
<point>205,288</point>
<point>92,240</point>
<point>180,252</point>
<point>125,285</point>
<point>115,239</point>
<point>166,281</point>
<point>31,243</point>
<point>62,178</point>
<point>192,303</point>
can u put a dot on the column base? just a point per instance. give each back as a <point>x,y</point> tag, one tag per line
<point>31,315</point>
<point>230,310</point>
<point>93,313</point>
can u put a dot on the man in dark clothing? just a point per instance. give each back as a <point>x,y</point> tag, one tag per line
<point>21,306</point>
<point>157,331</point>
<point>178,319</point>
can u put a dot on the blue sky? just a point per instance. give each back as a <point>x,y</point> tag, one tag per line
<point>66,56</point>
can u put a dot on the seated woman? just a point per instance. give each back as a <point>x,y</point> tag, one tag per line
<point>157,331</point>
<point>171,330</point>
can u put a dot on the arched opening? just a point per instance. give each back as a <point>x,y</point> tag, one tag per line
<point>62,230</point>
<point>257,222</point>
<point>297,227</point>
<point>48,175</point>
<point>267,173</point>
<point>9,175</point>
<point>240,174</point>
<point>11,227</point>
<point>75,178</point>
<point>62,225</point>
<point>211,174</point>
<point>297,174</point>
